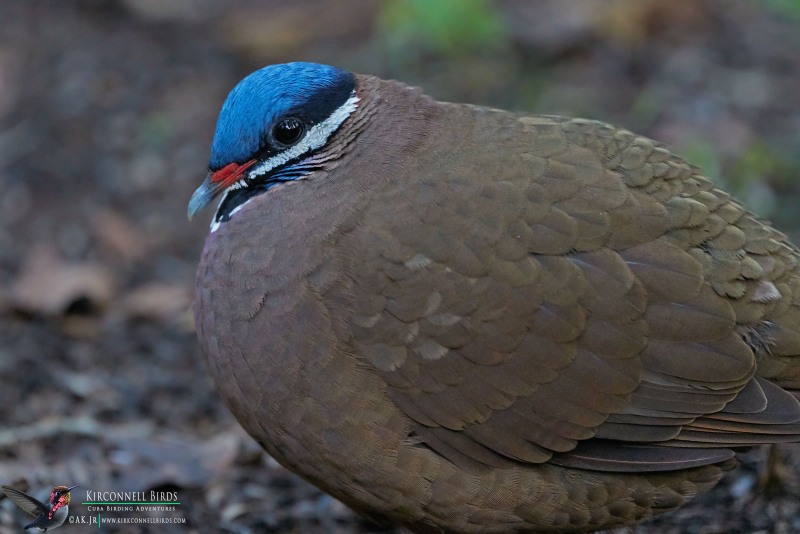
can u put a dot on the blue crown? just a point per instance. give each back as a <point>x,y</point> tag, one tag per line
<point>306,90</point>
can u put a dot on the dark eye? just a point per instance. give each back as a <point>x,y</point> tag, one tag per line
<point>288,131</point>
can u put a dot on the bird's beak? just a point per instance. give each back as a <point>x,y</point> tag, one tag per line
<point>216,182</point>
<point>203,195</point>
<point>71,488</point>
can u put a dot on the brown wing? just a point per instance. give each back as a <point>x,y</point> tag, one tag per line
<point>592,286</point>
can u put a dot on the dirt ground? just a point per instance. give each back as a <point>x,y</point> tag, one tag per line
<point>107,108</point>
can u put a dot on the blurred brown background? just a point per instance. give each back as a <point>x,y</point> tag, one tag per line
<point>107,108</point>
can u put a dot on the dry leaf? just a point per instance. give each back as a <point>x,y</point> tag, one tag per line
<point>48,285</point>
<point>178,459</point>
<point>157,301</point>
<point>120,235</point>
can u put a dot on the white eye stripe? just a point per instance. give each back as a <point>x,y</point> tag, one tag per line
<point>316,137</point>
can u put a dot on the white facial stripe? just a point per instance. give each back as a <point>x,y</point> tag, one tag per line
<point>316,137</point>
<point>215,223</point>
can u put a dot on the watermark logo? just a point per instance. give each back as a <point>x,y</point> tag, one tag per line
<point>98,507</point>
<point>129,508</point>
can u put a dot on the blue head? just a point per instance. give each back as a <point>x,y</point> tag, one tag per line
<point>271,122</point>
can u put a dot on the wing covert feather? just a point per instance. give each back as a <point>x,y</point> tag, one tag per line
<point>615,297</point>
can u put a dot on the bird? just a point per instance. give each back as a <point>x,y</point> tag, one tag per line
<point>46,516</point>
<point>455,318</point>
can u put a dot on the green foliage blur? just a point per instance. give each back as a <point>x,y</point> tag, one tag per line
<point>787,7</point>
<point>449,28</point>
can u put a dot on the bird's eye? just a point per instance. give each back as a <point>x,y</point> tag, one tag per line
<point>288,131</point>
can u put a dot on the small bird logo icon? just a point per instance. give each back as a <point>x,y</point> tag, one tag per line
<point>46,516</point>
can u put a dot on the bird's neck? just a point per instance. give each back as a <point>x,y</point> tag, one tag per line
<point>392,121</point>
